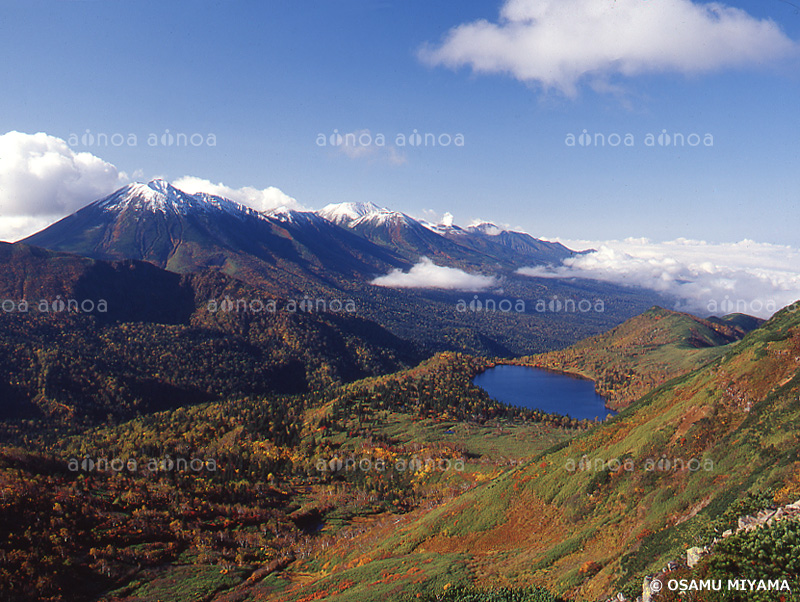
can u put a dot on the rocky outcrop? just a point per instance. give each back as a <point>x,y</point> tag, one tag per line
<point>761,519</point>
<point>767,517</point>
<point>693,556</point>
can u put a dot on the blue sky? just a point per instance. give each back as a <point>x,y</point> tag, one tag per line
<point>267,77</point>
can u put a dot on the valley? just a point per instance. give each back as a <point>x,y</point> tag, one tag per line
<point>381,301</point>
<point>180,445</point>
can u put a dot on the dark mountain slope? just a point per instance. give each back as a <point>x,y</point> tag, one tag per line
<point>337,254</point>
<point>183,233</point>
<point>156,339</point>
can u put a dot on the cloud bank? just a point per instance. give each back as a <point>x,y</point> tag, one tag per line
<point>42,179</point>
<point>557,43</point>
<point>426,274</point>
<point>264,199</point>
<point>705,278</point>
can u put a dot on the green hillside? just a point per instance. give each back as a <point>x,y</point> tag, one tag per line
<point>645,351</point>
<point>595,514</point>
<point>541,505</point>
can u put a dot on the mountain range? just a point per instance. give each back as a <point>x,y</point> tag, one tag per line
<point>585,511</point>
<point>339,251</point>
<point>182,232</point>
<point>139,339</point>
<point>163,260</point>
<point>272,410</point>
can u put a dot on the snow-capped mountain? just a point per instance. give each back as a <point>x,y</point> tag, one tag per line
<point>344,214</point>
<point>474,245</point>
<point>486,228</point>
<point>384,218</point>
<point>286,215</point>
<point>159,196</point>
<point>358,215</point>
<point>183,232</point>
<point>444,229</point>
<point>395,230</point>
<point>333,254</point>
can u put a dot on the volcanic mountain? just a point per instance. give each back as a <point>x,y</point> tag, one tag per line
<point>338,252</point>
<point>183,232</point>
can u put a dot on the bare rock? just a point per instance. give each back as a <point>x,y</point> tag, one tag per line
<point>693,556</point>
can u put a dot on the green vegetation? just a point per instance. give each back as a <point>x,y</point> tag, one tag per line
<point>257,496</point>
<point>646,351</point>
<point>500,498</point>
<point>766,553</point>
<point>473,594</point>
<point>71,369</point>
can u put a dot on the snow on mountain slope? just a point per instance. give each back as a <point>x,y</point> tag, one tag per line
<point>159,196</point>
<point>344,214</point>
<point>487,228</point>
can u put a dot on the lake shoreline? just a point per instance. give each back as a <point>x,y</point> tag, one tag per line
<point>544,390</point>
<point>563,373</point>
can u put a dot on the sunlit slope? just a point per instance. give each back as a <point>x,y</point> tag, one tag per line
<point>645,352</point>
<point>732,426</point>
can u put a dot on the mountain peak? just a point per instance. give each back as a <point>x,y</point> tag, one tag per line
<point>288,215</point>
<point>155,196</point>
<point>159,196</point>
<point>345,213</point>
<point>487,228</point>
<point>161,185</point>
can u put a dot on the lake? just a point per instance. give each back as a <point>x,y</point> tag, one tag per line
<point>538,389</point>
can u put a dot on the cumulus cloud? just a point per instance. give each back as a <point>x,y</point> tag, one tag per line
<point>42,179</point>
<point>16,228</point>
<point>557,43</point>
<point>704,278</point>
<point>264,199</point>
<point>433,218</point>
<point>426,274</point>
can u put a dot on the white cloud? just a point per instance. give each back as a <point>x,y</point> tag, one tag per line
<point>42,179</point>
<point>705,278</point>
<point>434,218</point>
<point>259,199</point>
<point>486,227</point>
<point>17,227</point>
<point>557,43</point>
<point>426,274</point>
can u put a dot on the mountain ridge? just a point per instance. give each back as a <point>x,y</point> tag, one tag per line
<point>646,351</point>
<point>292,254</point>
<point>599,512</point>
<point>393,229</point>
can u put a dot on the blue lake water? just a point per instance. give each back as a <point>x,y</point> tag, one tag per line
<point>543,390</point>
